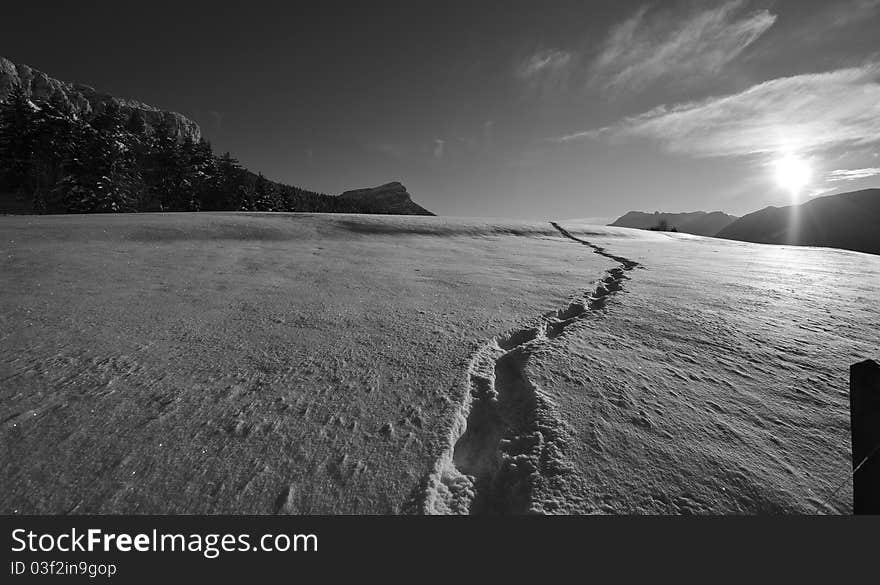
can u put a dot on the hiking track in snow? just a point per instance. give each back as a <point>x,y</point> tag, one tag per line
<point>506,448</point>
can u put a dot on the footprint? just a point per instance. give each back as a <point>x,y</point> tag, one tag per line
<point>518,338</point>
<point>508,443</point>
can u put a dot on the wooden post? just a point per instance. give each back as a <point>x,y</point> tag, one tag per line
<point>864,410</point>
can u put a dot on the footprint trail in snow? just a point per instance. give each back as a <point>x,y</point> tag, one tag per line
<point>506,451</point>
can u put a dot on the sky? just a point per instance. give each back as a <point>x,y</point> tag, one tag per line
<point>553,109</point>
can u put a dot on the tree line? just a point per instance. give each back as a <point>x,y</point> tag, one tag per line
<point>663,226</point>
<point>53,160</point>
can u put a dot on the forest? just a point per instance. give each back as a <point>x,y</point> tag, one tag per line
<point>53,160</point>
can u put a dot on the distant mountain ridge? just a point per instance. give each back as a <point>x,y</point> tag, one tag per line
<point>83,100</point>
<point>699,223</point>
<point>849,220</point>
<point>389,198</point>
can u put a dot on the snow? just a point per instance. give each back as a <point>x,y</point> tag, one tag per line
<point>718,381</point>
<point>305,363</point>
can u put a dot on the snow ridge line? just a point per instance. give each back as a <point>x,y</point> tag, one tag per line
<point>506,449</point>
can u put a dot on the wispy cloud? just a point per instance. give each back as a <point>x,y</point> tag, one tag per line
<point>543,62</point>
<point>803,113</point>
<point>819,191</point>
<point>853,11</point>
<point>546,71</point>
<point>439,145</point>
<point>853,174</point>
<point>653,46</point>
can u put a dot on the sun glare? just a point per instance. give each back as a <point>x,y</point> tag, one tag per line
<point>792,173</point>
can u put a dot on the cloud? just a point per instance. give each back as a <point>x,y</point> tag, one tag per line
<point>853,12</point>
<point>439,145</point>
<point>853,174</point>
<point>546,69</point>
<point>543,62</point>
<point>803,113</point>
<point>647,48</point>
<point>818,191</point>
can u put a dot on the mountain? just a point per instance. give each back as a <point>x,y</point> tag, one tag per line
<point>389,198</point>
<point>849,220</point>
<point>699,223</point>
<point>85,101</point>
<point>67,148</point>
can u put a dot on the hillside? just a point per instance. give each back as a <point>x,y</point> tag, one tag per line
<point>67,148</point>
<point>850,221</point>
<point>699,223</point>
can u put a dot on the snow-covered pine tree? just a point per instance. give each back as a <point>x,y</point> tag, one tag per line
<point>17,139</point>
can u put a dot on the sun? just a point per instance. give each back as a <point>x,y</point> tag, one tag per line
<point>792,173</point>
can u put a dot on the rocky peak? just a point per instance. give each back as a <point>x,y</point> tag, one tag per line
<point>387,198</point>
<point>86,101</point>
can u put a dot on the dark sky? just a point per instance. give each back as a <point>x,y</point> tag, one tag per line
<point>517,109</point>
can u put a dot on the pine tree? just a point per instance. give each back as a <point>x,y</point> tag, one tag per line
<point>223,191</point>
<point>202,166</point>
<point>164,170</point>
<point>104,176</point>
<point>134,134</point>
<point>104,173</point>
<point>56,144</point>
<point>243,198</point>
<point>17,140</point>
<point>264,195</point>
